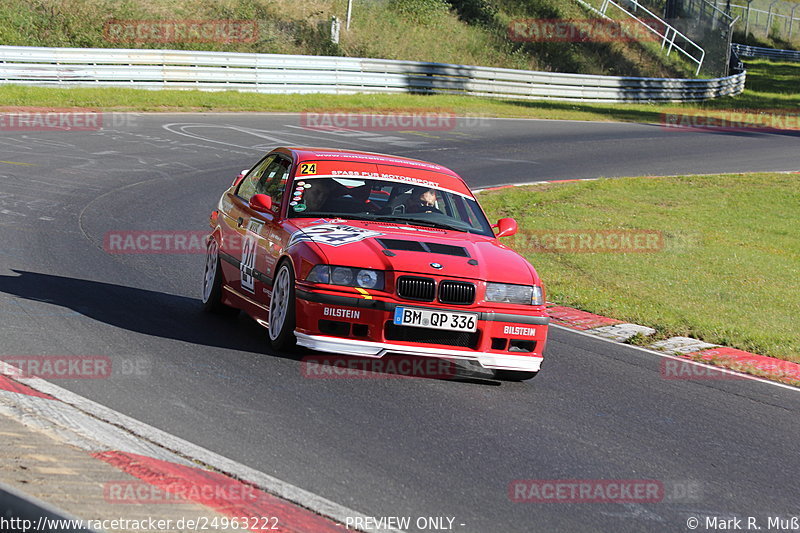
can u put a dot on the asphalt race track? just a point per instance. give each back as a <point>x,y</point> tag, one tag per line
<point>386,446</point>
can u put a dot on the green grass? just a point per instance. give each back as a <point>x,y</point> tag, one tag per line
<point>770,86</point>
<point>728,272</point>
<point>470,32</point>
<point>776,36</point>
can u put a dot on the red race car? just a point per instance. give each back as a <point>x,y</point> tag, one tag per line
<point>367,254</point>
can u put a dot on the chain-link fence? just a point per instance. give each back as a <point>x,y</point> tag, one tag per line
<point>696,29</point>
<point>709,26</point>
<point>767,19</point>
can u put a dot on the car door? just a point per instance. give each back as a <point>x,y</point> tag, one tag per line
<point>260,252</point>
<point>239,232</point>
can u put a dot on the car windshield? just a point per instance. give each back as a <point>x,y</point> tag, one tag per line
<point>387,201</point>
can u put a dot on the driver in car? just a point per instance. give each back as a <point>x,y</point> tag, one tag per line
<point>422,201</point>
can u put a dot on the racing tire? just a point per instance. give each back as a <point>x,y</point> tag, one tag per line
<point>513,375</point>
<point>212,282</point>
<point>282,317</point>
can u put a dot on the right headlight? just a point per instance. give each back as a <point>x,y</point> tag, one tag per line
<point>364,278</point>
<point>514,294</point>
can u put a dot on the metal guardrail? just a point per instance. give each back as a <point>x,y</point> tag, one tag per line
<point>284,74</point>
<point>744,50</point>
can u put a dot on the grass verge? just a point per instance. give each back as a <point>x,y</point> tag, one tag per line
<point>471,32</point>
<point>728,271</point>
<point>771,86</point>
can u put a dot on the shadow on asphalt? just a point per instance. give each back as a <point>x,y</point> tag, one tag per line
<point>142,311</point>
<point>181,318</point>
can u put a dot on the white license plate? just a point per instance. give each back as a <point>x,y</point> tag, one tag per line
<point>435,319</point>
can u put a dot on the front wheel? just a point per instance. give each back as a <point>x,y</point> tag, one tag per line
<point>282,309</point>
<point>513,375</point>
<point>212,282</point>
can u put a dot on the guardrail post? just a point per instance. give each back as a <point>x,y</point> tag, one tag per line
<point>336,26</point>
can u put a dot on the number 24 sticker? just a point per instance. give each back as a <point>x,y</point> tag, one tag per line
<point>308,168</point>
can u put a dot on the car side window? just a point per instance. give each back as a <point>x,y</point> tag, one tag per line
<point>249,186</point>
<point>273,180</point>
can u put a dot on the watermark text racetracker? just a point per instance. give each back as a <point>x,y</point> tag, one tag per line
<point>140,492</point>
<point>72,120</point>
<point>550,491</point>
<point>730,369</point>
<point>407,121</point>
<point>763,120</point>
<point>588,241</point>
<point>181,31</point>
<point>155,242</point>
<point>388,366</point>
<point>586,491</point>
<point>583,30</point>
<point>72,366</point>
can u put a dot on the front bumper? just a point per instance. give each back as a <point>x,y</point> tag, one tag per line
<point>379,349</point>
<point>359,326</point>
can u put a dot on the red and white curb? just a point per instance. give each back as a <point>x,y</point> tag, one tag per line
<point>697,351</point>
<point>165,461</point>
<point>694,350</point>
<point>682,345</point>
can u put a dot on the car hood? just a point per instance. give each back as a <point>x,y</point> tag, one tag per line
<point>411,249</point>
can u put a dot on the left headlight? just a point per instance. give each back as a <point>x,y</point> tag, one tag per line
<point>514,294</point>
<point>346,276</point>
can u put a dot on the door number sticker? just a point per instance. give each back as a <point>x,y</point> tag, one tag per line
<point>249,248</point>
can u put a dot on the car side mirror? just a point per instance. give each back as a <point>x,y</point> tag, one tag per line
<point>261,202</point>
<point>506,227</point>
<point>238,179</point>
